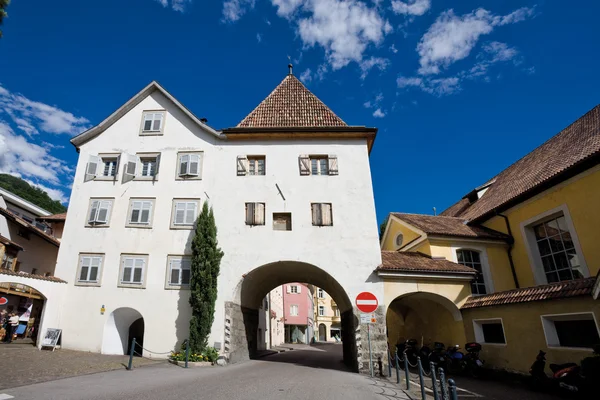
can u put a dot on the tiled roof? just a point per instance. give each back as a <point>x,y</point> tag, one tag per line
<point>31,228</point>
<point>457,208</point>
<point>560,290</point>
<point>6,241</point>
<point>291,104</point>
<point>54,217</point>
<point>5,271</point>
<point>449,226</point>
<point>575,144</point>
<point>409,261</point>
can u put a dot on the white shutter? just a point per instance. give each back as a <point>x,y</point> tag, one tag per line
<point>145,211</point>
<point>259,213</point>
<point>249,213</point>
<point>117,167</point>
<point>299,289</point>
<point>103,211</point>
<point>175,272</point>
<point>326,214</point>
<point>156,168</point>
<point>288,289</point>
<point>93,212</point>
<point>333,164</point>
<point>194,166</point>
<point>184,162</point>
<point>91,170</point>
<point>242,165</point>
<point>315,213</point>
<point>190,213</point>
<point>179,217</point>
<point>132,167</point>
<point>304,163</point>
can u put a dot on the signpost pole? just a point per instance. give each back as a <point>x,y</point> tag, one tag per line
<point>370,354</point>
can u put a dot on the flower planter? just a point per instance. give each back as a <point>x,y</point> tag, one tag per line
<point>194,364</point>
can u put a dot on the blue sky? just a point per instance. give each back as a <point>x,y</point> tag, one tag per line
<point>458,89</point>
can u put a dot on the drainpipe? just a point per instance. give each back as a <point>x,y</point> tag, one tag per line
<point>509,250</point>
<point>270,326</point>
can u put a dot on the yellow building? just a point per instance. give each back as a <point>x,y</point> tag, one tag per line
<point>530,237</point>
<point>328,322</point>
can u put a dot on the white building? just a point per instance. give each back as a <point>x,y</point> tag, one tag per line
<point>293,201</point>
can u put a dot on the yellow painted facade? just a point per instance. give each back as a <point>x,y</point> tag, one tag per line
<point>394,228</point>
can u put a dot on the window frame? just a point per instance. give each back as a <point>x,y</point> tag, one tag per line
<point>320,293</point>
<point>189,177</point>
<point>478,331</point>
<point>100,168</point>
<point>129,224</point>
<point>280,215</point>
<point>306,167</point>
<point>180,286</point>
<point>108,216</point>
<point>320,223</point>
<point>550,334</point>
<point>142,156</point>
<point>485,264</point>
<point>321,311</point>
<point>533,253</point>
<point>254,159</point>
<point>172,224</point>
<point>98,282</point>
<point>471,264</point>
<point>297,308</point>
<point>293,289</point>
<point>162,125</point>
<point>131,285</point>
<point>254,219</point>
<point>400,236</point>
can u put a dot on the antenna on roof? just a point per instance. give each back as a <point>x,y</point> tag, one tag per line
<point>434,211</point>
<point>290,66</point>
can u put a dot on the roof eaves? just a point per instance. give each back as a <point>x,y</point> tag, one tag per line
<point>22,222</point>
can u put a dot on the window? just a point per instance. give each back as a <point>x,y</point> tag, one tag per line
<point>557,250</point>
<point>141,166</point>
<point>179,271</point>
<point>184,213</point>
<point>282,221</point>
<point>152,122</point>
<point>489,331</point>
<point>294,310</point>
<point>190,165</point>
<point>102,167</point>
<point>336,311</point>
<point>399,239</point>
<point>321,311</point>
<point>471,259</point>
<point>571,330</point>
<point>321,293</point>
<point>321,214</point>
<point>28,219</point>
<point>99,212</point>
<point>255,213</point>
<point>7,261</point>
<point>318,165</point>
<point>140,212</point>
<point>89,270</point>
<point>251,165</point>
<point>294,289</point>
<point>133,270</point>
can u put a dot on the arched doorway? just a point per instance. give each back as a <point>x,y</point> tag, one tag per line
<point>122,325</point>
<point>426,317</point>
<point>242,316</point>
<point>28,303</point>
<point>322,333</point>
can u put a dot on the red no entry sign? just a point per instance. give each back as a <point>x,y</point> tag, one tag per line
<point>366,302</point>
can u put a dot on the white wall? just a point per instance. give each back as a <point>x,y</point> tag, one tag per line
<point>349,250</point>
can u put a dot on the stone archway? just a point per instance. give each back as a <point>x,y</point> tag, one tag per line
<point>426,317</point>
<point>241,316</point>
<point>122,324</point>
<point>28,303</point>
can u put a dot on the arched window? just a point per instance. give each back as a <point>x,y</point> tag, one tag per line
<point>472,259</point>
<point>399,239</point>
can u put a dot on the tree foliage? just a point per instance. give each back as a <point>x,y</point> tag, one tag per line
<point>206,261</point>
<point>3,14</point>
<point>382,228</point>
<point>32,194</point>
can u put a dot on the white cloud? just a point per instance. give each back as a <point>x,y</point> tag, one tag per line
<point>411,7</point>
<point>500,51</point>
<point>306,76</point>
<point>285,8</point>
<point>378,113</point>
<point>235,9</point>
<point>438,87</point>
<point>177,5</point>
<point>55,194</point>
<point>393,49</point>
<point>369,63</point>
<point>451,37</point>
<point>405,82</point>
<point>375,102</point>
<point>258,37</point>
<point>32,117</point>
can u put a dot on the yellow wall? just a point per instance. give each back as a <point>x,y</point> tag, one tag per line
<point>394,227</point>
<point>581,194</point>
<point>524,333</point>
<point>455,291</point>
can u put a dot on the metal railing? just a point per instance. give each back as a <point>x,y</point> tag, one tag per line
<point>441,388</point>
<point>133,352</point>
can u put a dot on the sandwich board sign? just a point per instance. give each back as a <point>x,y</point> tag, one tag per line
<point>51,337</point>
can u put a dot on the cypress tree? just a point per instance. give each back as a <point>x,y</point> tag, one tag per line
<point>206,261</point>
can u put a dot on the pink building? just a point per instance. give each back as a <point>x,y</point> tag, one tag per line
<point>298,310</point>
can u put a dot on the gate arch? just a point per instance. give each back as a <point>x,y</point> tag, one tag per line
<point>121,324</point>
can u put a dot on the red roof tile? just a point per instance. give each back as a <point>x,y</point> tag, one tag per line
<point>291,104</point>
<point>409,261</point>
<point>560,290</point>
<point>6,241</point>
<point>54,217</point>
<point>4,271</point>
<point>22,222</point>
<point>449,226</point>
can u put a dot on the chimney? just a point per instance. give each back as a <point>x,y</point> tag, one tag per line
<point>291,67</point>
<point>203,120</point>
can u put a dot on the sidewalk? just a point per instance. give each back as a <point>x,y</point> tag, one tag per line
<point>24,364</point>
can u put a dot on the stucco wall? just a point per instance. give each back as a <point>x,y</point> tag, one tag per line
<point>394,228</point>
<point>524,333</point>
<point>38,253</point>
<point>348,251</point>
<point>302,300</point>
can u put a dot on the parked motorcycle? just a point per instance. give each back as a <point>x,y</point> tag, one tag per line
<point>454,360</point>
<point>409,351</point>
<point>472,364</point>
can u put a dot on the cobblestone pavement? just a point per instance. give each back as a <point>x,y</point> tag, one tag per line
<point>24,364</point>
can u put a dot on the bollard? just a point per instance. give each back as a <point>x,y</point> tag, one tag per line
<point>397,368</point>
<point>130,365</point>
<point>434,381</point>
<point>389,364</point>
<point>187,353</point>
<point>406,371</point>
<point>443,387</point>
<point>421,382</point>
<point>453,392</point>
<point>380,366</point>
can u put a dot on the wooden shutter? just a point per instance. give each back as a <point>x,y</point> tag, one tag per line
<point>242,165</point>
<point>333,164</point>
<point>194,167</point>
<point>184,162</point>
<point>304,163</point>
<point>326,214</point>
<point>259,214</point>
<point>145,211</point>
<point>179,217</point>
<point>315,213</point>
<point>288,288</point>
<point>249,213</point>
<point>103,210</point>
<point>190,212</point>
<point>299,289</point>
<point>132,167</point>
<point>91,170</point>
<point>93,212</point>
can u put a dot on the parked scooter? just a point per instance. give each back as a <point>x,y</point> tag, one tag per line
<point>564,376</point>
<point>472,363</point>
<point>454,360</point>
